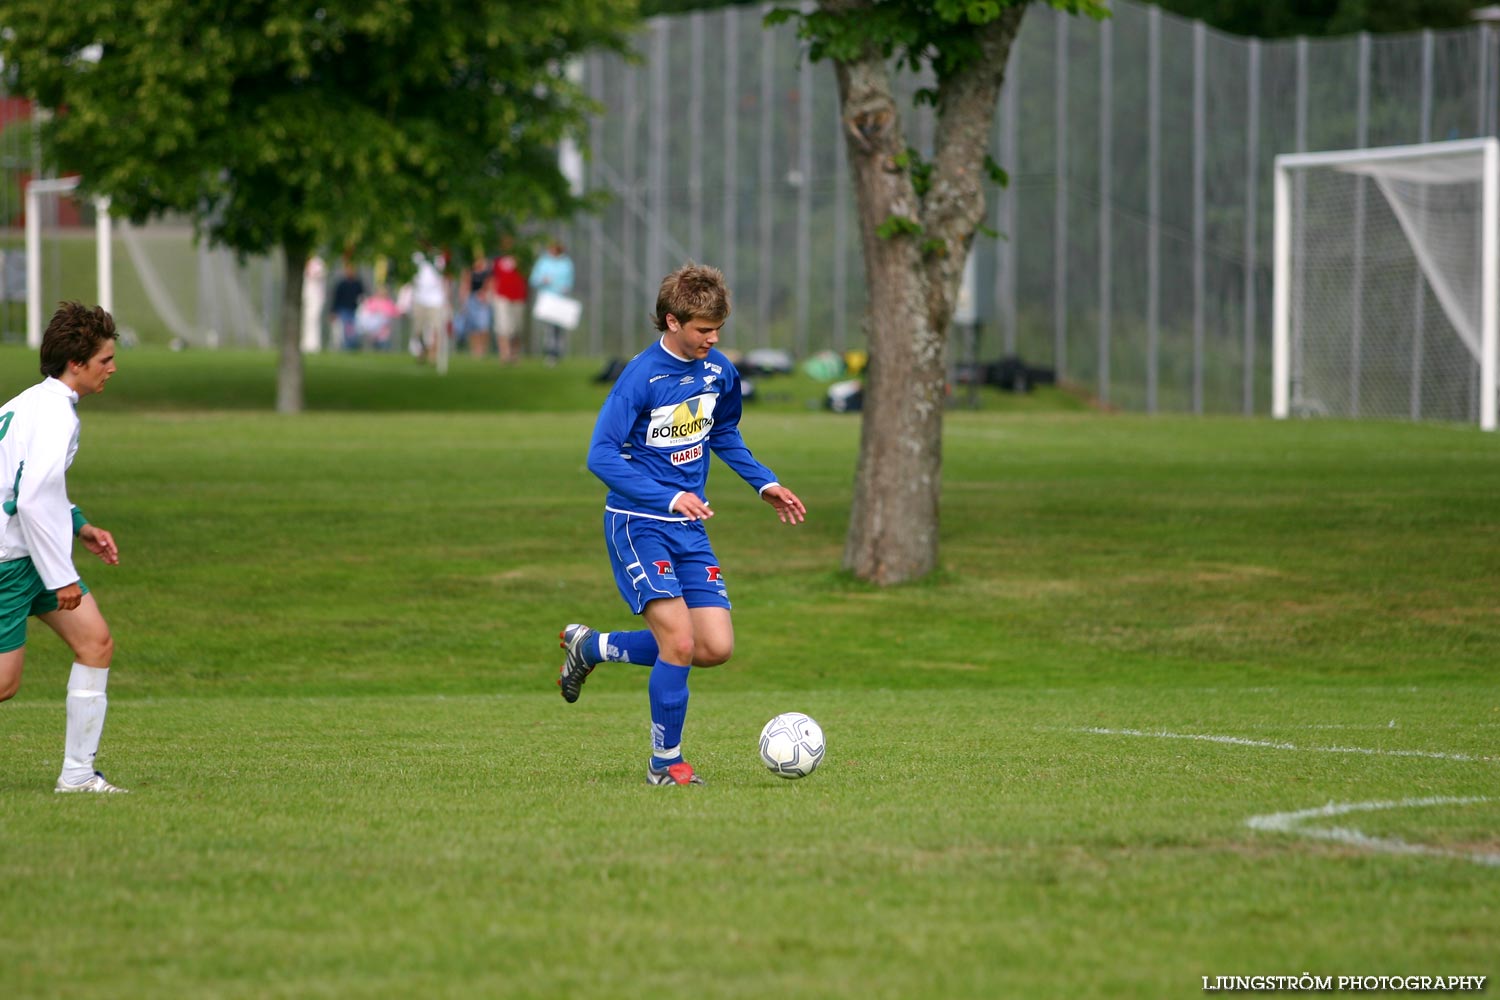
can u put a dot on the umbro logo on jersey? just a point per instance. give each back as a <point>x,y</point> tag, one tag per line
<point>653,378</point>
<point>686,379</point>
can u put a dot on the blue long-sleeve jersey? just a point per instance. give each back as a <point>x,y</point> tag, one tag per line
<point>658,427</point>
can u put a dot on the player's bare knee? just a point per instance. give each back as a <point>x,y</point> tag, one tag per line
<point>8,689</point>
<point>678,651</point>
<point>711,655</point>
<point>96,651</point>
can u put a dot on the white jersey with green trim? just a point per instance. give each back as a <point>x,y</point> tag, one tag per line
<point>38,439</point>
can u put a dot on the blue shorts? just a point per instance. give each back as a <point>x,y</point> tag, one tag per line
<point>22,594</point>
<point>654,559</point>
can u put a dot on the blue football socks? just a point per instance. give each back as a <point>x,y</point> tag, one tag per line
<point>668,689</point>
<point>623,647</point>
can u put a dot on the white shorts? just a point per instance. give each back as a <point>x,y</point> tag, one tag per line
<point>508,316</point>
<point>428,322</point>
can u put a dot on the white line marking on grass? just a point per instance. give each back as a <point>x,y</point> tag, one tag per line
<point>1291,822</point>
<point>1240,741</point>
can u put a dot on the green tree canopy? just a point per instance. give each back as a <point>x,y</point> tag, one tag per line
<point>1283,18</point>
<point>302,123</point>
<point>1262,18</point>
<point>918,213</point>
<point>378,125</point>
<point>650,8</point>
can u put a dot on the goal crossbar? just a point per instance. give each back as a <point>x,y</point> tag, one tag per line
<point>1386,162</point>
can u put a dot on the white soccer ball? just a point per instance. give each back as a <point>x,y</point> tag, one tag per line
<point>792,745</point>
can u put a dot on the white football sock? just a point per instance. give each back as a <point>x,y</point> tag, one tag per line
<point>86,705</point>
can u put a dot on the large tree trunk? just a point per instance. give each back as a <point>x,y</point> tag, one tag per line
<point>289,367</point>
<point>894,518</point>
<point>913,274</point>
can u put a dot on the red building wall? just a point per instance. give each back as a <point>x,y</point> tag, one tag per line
<point>14,110</point>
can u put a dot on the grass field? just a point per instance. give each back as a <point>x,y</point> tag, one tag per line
<point>1079,762</point>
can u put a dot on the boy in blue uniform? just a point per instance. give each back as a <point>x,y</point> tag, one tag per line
<point>676,403</point>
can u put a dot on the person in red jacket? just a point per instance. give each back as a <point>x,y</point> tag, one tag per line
<point>508,303</point>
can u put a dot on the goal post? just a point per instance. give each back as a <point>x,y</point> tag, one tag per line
<point>36,310</point>
<point>1386,265</point>
<point>162,284</point>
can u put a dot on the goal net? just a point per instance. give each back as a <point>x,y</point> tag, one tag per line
<point>163,286</point>
<point>1385,283</point>
<point>59,256</point>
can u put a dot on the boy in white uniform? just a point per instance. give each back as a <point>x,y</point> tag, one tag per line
<point>38,439</point>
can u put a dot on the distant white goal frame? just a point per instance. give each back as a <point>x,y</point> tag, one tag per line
<point>1286,163</point>
<point>35,308</point>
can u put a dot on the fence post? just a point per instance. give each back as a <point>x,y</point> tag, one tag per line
<point>1153,204</point>
<point>1252,224</point>
<point>1060,195</point>
<point>1200,225</point>
<point>1106,199</point>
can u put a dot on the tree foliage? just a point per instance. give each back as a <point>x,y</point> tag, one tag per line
<point>1262,18</point>
<point>1284,18</point>
<point>651,8</point>
<point>918,213</point>
<point>376,125</point>
<point>942,34</point>
<point>302,123</point>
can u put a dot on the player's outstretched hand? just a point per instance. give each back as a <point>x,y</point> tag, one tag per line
<point>788,508</point>
<point>100,542</point>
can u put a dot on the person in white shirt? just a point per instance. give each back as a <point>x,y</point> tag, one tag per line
<point>38,439</point>
<point>429,304</point>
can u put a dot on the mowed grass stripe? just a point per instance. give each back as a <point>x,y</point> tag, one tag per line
<point>386,552</point>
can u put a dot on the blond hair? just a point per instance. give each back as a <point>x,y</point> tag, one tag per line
<point>693,291</point>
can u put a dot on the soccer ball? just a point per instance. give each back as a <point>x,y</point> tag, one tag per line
<point>792,745</point>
